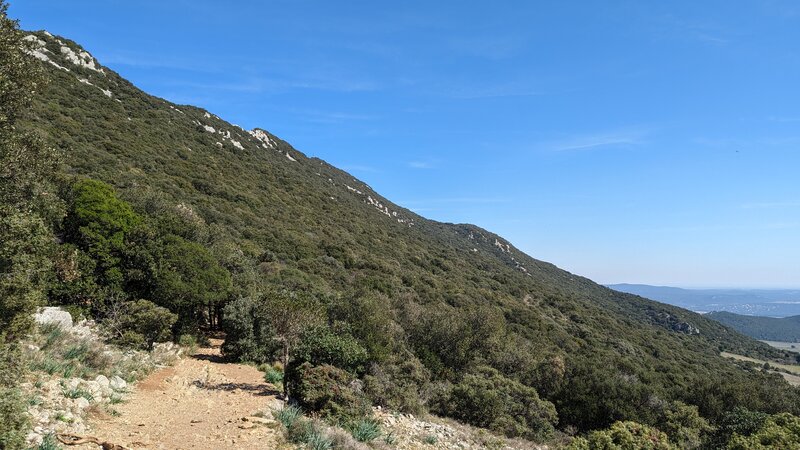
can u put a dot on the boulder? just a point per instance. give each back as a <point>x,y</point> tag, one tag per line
<point>53,315</point>
<point>102,381</point>
<point>81,403</point>
<point>117,383</point>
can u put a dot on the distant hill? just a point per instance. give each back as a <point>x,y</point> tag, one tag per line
<point>786,329</point>
<point>761,302</point>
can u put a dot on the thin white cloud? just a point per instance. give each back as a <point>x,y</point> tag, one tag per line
<point>322,116</point>
<point>420,165</point>
<point>601,140</point>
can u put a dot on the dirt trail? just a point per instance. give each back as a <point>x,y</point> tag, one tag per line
<point>199,403</point>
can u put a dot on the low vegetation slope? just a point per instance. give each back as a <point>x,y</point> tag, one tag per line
<point>785,329</point>
<point>207,219</point>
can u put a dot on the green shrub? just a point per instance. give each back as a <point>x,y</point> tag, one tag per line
<point>740,422</point>
<point>13,417</point>
<point>684,426</point>
<point>430,439</point>
<point>49,442</point>
<point>322,346</point>
<point>331,392</point>
<point>622,436</point>
<point>365,430</point>
<point>487,399</point>
<point>248,336</point>
<point>141,323</point>
<point>778,431</point>
<point>400,384</point>
<point>300,430</point>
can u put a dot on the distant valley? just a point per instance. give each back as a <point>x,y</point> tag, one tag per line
<point>753,302</point>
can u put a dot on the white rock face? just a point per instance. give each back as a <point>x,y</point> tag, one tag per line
<point>82,59</point>
<point>264,138</point>
<point>210,129</point>
<point>31,38</point>
<point>54,315</point>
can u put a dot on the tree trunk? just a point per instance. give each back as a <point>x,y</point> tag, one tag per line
<point>285,368</point>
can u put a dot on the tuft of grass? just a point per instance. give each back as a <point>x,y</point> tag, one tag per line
<point>116,399</point>
<point>77,393</point>
<point>430,439</point>
<point>77,352</point>
<point>317,440</point>
<point>390,438</point>
<point>300,431</point>
<point>365,430</point>
<point>274,376</point>
<point>48,365</point>
<point>67,369</point>
<point>61,417</point>
<point>288,415</point>
<point>49,442</point>
<point>53,333</point>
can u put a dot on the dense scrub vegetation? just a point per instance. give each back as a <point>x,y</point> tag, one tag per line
<point>28,210</point>
<point>172,229</point>
<point>784,329</point>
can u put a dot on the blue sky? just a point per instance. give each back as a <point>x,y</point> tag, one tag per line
<point>627,141</point>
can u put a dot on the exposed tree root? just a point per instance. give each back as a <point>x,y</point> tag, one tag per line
<point>71,439</point>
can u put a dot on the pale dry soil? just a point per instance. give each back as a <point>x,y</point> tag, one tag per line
<point>201,402</point>
<point>792,378</point>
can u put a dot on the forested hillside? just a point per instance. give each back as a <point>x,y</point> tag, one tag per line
<point>785,329</point>
<point>193,222</point>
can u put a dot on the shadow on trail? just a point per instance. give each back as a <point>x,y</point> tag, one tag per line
<point>217,359</point>
<point>256,389</point>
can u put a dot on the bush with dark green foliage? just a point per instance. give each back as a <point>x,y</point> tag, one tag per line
<point>321,345</point>
<point>684,425</point>
<point>624,436</point>
<point>400,383</point>
<point>98,222</point>
<point>781,431</point>
<point>371,321</point>
<point>142,323</point>
<point>485,398</point>
<point>14,421</point>
<point>738,421</point>
<point>189,281</point>
<point>331,392</point>
<point>248,332</point>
